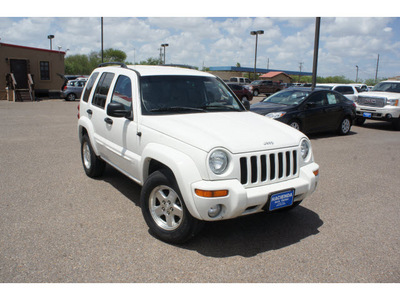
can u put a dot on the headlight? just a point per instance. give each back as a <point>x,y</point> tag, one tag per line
<point>305,149</point>
<point>392,102</point>
<point>276,115</point>
<point>218,161</point>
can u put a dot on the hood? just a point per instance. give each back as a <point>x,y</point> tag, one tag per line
<point>237,132</point>
<point>388,95</point>
<point>264,108</point>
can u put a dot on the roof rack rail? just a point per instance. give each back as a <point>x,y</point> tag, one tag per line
<point>112,63</point>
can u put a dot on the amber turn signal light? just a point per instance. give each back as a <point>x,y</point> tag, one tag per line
<point>316,172</point>
<point>211,194</point>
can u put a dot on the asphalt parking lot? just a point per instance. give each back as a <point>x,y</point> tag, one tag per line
<point>58,225</point>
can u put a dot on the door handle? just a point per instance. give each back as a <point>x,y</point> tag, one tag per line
<point>108,121</point>
<point>89,112</point>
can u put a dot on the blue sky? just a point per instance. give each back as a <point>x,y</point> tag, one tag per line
<point>201,37</point>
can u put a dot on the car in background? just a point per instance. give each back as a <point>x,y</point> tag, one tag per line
<point>241,91</point>
<point>73,89</point>
<point>240,80</point>
<point>348,90</point>
<point>309,110</point>
<point>265,87</point>
<point>360,87</point>
<point>381,103</point>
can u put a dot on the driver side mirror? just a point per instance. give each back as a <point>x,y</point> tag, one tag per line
<point>117,110</point>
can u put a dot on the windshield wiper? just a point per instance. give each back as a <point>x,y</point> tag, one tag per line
<point>220,107</point>
<point>177,109</point>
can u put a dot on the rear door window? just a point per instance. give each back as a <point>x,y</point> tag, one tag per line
<point>100,95</point>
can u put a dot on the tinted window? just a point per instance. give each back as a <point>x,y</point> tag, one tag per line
<point>89,86</point>
<point>123,92</point>
<point>100,95</point>
<point>186,94</point>
<point>345,90</point>
<point>317,99</point>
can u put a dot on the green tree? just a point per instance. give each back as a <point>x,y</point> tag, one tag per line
<point>151,61</point>
<point>81,64</point>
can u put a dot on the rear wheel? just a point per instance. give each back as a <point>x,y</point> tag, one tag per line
<point>92,164</point>
<point>345,126</point>
<point>71,97</point>
<point>255,93</point>
<point>164,210</point>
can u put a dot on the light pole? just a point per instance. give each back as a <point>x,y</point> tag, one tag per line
<point>357,74</point>
<point>256,33</point>
<point>50,37</point>
<point>164,45</point>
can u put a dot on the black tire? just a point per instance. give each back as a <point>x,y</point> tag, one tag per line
<point>344,126</point>
<point>92,164</point>
<point>164,210</point>
<point>255,93</point>
<point>71,97</point>
<point>396,125</point>
<point>359,121</point>
<point>295,124</point>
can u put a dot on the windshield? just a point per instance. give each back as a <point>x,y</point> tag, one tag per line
<point>186,94</point>
<point>387,87</point>
<point>287,97</point>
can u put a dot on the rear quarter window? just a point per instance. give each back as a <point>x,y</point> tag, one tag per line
<point>89,86</point>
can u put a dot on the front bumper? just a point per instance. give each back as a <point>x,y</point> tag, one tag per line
<point>378,113</point>
<point>243,201</point>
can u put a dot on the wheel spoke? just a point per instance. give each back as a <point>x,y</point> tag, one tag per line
<point>178,211</point>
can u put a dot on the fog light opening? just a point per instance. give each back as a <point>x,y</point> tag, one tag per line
<point>214,211</point>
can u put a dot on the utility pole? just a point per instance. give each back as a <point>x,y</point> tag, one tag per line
<point>102,43</point>
<point>316,47</point>
<point>376,73</point>
<point>300,67</point>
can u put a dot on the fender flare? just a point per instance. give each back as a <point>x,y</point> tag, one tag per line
<point>182,166</point>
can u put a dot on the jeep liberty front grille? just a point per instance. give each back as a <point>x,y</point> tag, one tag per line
<point>268,167</point>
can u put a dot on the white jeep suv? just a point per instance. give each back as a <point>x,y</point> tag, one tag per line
<point>198,154</point>
<point>381,103</point>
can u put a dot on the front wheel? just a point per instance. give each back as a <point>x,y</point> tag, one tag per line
<point>344,127</point>
<point>360,121</point>
<point>255,93</point>
<point>164,210</point>
<point>295,124</point>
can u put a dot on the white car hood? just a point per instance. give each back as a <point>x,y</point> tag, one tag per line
<point>387,95</point>
<point>238,132</point>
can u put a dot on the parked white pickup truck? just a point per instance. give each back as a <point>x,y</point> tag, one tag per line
<point>185,137</point>
<point>382,103</point>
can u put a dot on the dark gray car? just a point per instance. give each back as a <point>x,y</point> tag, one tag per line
<point>73,90</point>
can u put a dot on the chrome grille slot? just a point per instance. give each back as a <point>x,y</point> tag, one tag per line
<point>371,101</point>
<point>269,167</point>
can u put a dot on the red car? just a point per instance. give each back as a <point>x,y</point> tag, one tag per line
<point>241,91</point>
